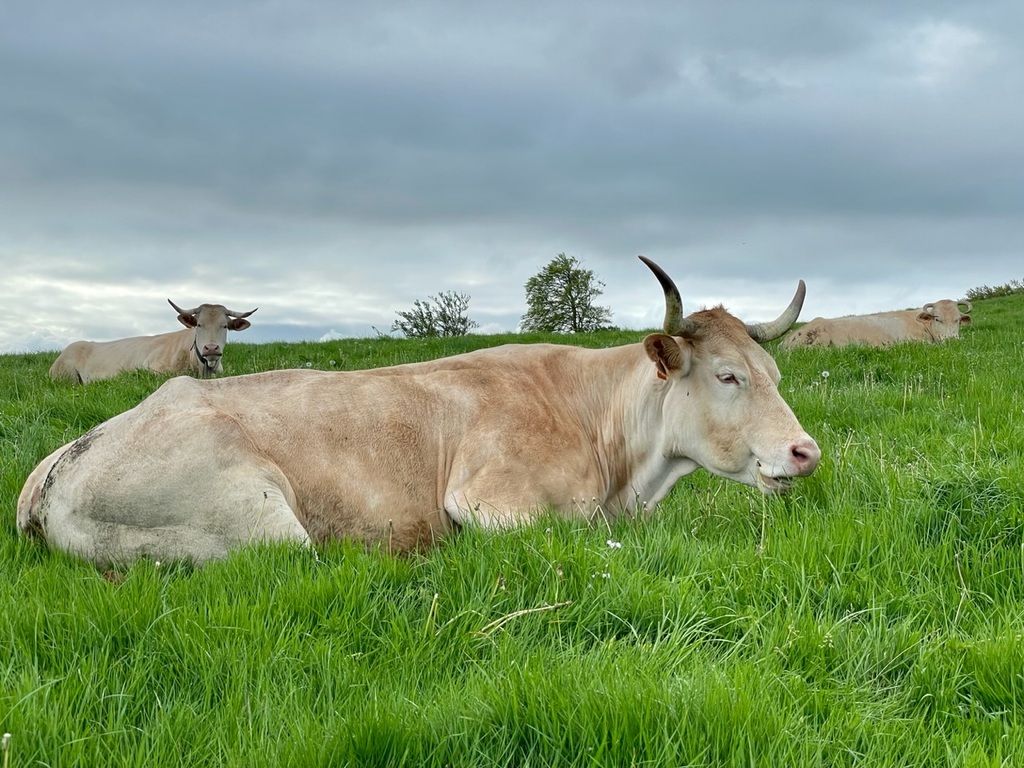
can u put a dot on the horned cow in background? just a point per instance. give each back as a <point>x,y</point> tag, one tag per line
<point>936,321</point>
<point>197,349</point>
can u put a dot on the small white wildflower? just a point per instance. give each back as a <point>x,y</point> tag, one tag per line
<point>824,374</point>
<point>606,575</point>
<point>157,563</point>
<point>309,364</point>
<point>333,363</point>
<point>612,544</point>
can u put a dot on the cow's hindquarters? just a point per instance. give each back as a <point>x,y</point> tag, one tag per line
<point>201,491</point>
<point>30,520</point>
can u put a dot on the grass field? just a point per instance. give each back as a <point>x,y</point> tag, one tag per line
<point>872,617</point>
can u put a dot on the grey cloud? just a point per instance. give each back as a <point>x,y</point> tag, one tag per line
<point>384,152</point>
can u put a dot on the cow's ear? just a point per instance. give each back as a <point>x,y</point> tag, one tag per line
<point>238,324</point>
<point>965,319</point>
<point>670,359</point>
<point>189,321</point>
<point>925,317</point>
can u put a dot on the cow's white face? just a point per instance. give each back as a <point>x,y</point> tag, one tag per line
<point>943,319</point>
<point>211,323</point>
<point>722,403</point>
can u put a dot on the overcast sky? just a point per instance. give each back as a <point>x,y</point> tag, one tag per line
<point>332,162</point>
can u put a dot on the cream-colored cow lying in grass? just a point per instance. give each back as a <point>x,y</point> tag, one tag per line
<point>197,349</point>
<point>936,321</point>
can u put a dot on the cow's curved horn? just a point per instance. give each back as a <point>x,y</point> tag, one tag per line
<point>239,315</point>
<point>183,311</point>
<point>675,323</point>
<point>965,302</point>
<point>761,332</point>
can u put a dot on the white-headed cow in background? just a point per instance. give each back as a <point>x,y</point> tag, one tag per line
<point>197,349</point>
<point>402,456</point>
<point>936,321</point>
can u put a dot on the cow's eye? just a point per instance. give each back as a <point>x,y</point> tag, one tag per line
<point>728,378</point>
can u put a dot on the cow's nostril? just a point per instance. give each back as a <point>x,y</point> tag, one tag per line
<point>806,454</point>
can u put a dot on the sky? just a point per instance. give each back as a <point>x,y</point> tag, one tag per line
<point>332,162</point>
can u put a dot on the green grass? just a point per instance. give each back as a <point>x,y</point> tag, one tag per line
<point>873,617</point>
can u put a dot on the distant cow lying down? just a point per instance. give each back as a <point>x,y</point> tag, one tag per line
<point>403,456</point>
<point>936,321</point>
<point>197,349</point>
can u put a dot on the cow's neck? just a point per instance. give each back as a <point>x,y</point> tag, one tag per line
<point>627,435</point>
<point>653,473</point>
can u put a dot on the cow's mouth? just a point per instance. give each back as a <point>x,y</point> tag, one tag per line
<point>209,362</point>
<point>773,484</point>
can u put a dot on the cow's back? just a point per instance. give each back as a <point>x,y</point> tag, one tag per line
<point>876,330</point>
<point>86,361</point>
<point>486,392</point>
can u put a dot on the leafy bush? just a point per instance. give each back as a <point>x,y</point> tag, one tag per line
<point>989,292</point>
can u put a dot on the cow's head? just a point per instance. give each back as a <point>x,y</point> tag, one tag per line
<point>722,405</point>
<point>944,318</point>
<point>211,323</point>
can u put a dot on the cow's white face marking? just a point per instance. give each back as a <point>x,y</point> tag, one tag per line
<point>725,412</point>
<point>210,324</point>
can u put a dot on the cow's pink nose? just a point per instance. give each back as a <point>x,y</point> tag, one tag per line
<point>805,454</point>
<point>211,349</point>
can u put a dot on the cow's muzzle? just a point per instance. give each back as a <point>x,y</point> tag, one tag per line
<point>802,460</point>
<point>210,363</point>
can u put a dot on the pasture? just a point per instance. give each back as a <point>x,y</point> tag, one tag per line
<point>872,617</point>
